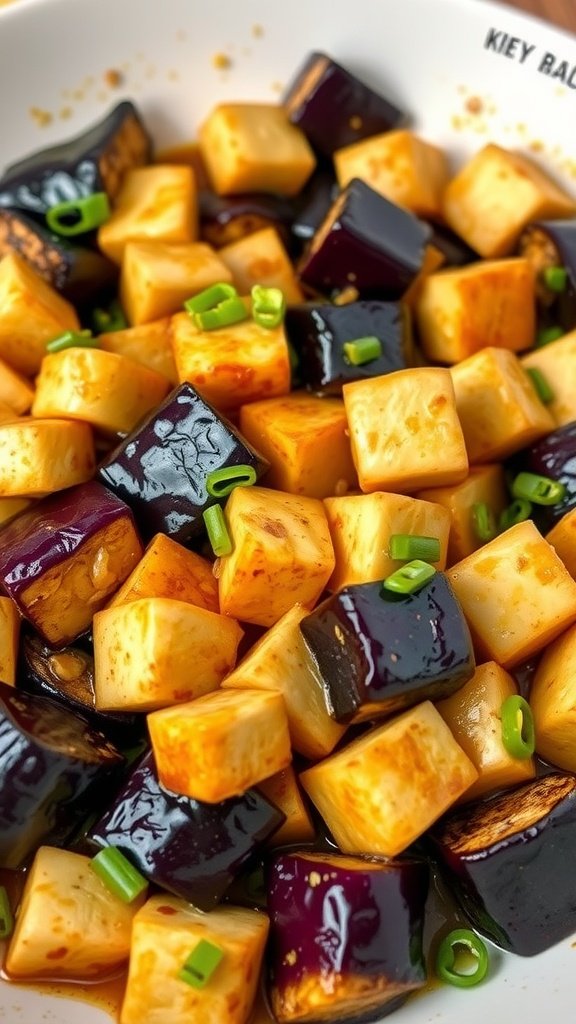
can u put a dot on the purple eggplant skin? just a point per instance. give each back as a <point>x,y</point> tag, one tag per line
<point>365,242</point>
<point>94,161</point>
<point>377,656</point>
<point>334,108</point>
<point>313,205</point>
<point>346,936</point>
<point>227,219</point>
<point>192,849</point>
<point>510,863</point>
<point>161,468</point>
<point>555,457</point>
<point>318,332</point>
<point>54,767</point>
<point>454,249</point>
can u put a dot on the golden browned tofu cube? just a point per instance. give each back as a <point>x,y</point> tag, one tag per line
<point>557,364</point>
<point>166,932</point>
<point>15,391</point>
<point>149,344</point>
<point>252,147</point>
<point>484,485</point>
<point>40,456</point>
<point>155,204</point>
<point>516,595</point>
<point>10,507</point>
<point>69,924</point>
<point>261,258</point>
<point>282,554</point>
<point>382,791</point>
<point>9,639</point>
<point>306,442</point>
<point>220,745</point>
<point>167,569</point>
<point>361,526</point>
<point>280,661</point>
<point>283,791</point>
<point>562,537</point>
<point>231,366</point>
<point>462,310</point>
<point>553,702</point>
<point>498,405</point>
<point>496,194</point>
<point>399,165</point>
<point>473,715</point>
<point>110,392</point>
<point>157,277</point>
<point>156,651</point>
<point>31,314</point>
<point>404,430</point>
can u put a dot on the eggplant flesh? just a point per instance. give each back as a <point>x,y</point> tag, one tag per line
<point>346,936</point>
<point>555,457</point>
<point>192,849</point>
<point>377,656</point>
<point>510,863</point>
<point>54,768</point>
<point>553,244</point>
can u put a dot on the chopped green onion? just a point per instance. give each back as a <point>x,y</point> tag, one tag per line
<point>541,490</point>
<point>548,335</point>
<point>268,306</point>
<point>201,964</point>
<point>541,385</point>
<point>362,350</point>
<point>217,530</point>
<point>517,512</point>
<point>210,298</point>
<point>410,577</point>
<point>518,727</point>
<point>221,482</point>
<point>6,916</point>
<point>555,278</point>
<point>462,959</point>
<point>483,521</point>
<point>72,339</point>
<point>105,321</point>
<point>119,876</point>
<point>76,216</point>
<point>406,546</point>
<point>229,311</point>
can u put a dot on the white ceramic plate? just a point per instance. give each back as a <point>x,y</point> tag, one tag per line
<point>432,57</point>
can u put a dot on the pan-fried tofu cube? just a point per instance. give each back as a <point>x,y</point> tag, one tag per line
<point>399,165</point>
<point>261,258</point>
<point>252,147</point>
<point>305,441</point>
<point>167,569</point>
<point>9,638</point>
<point>557,364</point>
<point>361,526</point>
<point>283,791</point>
<point>31,314</point>
<point>220,745</point>
<point>157,277</point>
<point>384,790</point>
<point>155,204</point>
<point>553,702</point>
<point>41,456</point>
<point>404,430</point>
<point>166,931</point>
<point>10,507</point>
<point>473,715</point>
<point>15,390</point>
<point>498,405</point>
<point>156,651</point>
<point>231,366</point>
<point>282,554</point>
<point>464,309</point>
<point>516,595</point>
<point>562,537</point>
<point>280,661</point>
<point>496,194</point>
<point>69,924</point>
<point>485,485</point>
<point>149,344</point>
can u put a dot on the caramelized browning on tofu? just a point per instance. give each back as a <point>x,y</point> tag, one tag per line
<point>261,258</point>
<point>39,456</point>
<point>167,569</point>
<point>148,344</point>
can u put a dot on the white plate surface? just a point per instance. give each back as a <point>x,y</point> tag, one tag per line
<point>430,56</point>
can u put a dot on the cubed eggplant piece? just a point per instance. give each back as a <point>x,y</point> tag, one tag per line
<point>161,468</point>
<point>313,204</point>
<point>54,768</point>
<point>318,333</point>
<point>377,655</point>
<point>550,244</point>
<point>454,249</point>
<point>510,863</point>
<point>94,161</point>
<point>227,219</point>
<point>334,108</point>
<point>555,457</point>
<point>366,242</point>
<point>62,559</point>
<point>346,936</point>
<point>192,849</point>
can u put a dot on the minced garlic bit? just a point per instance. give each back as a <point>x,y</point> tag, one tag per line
<point>42,117</point>
<point>221,61</point>
<point>291,958</point>
<point>314,879</point>
<point>257,31</point>
<point>113,78</point>
<point>348,294</point>
<point>355,122</point>
<point>474,105</point>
